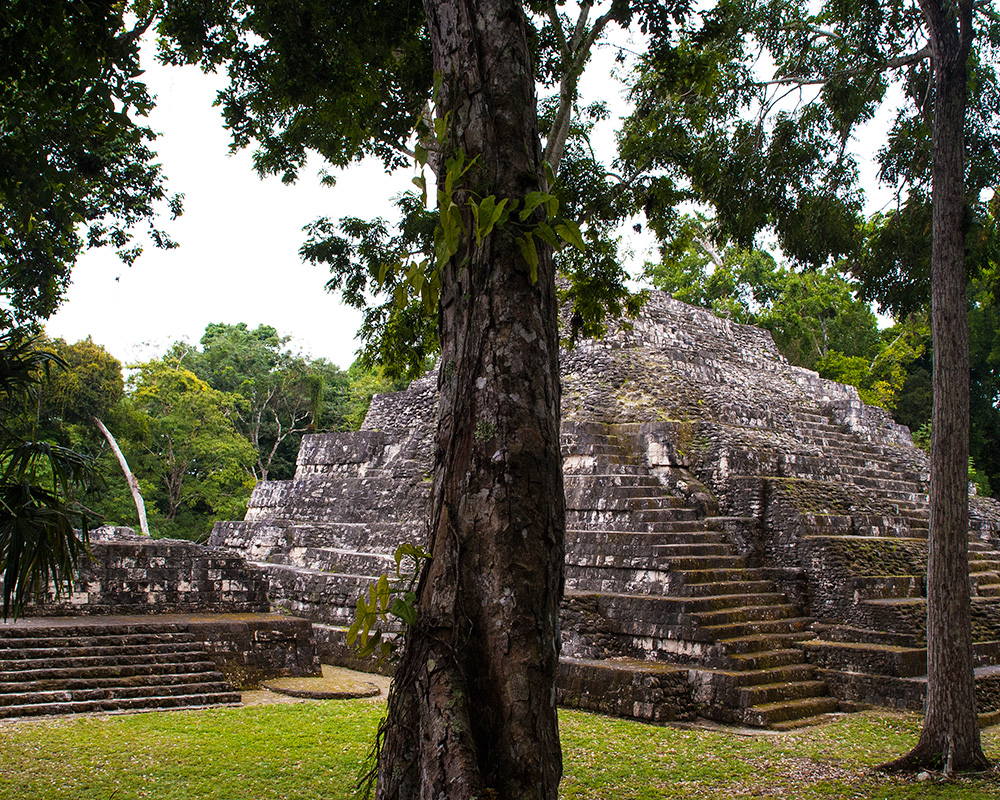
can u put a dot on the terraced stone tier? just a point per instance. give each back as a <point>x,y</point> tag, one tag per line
<point>72,665</point>
<point>73,670</point>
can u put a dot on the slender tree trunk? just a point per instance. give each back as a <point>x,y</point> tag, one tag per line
<point>472,712</point>
<point>949,740</point>
<point>130,479</point>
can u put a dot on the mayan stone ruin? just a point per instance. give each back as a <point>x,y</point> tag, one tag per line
<point>149,624</point>
<point>745,540</point>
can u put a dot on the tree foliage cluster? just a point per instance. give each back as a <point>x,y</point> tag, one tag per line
<point>78,168</point>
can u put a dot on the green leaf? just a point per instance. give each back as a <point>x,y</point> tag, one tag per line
<point>570,232</point>
<point>421,183</point>
<point>474,207</point>
<point>441,127</point>
<point>487,213</point>
<point>404,610</point>
<point>419,154</point>
<point>454,170</point>
<point>550,175</point>
<point>529,252</point>
<point>532,201</point>
<point>383,270</point>
<point>545,232</point>
<point>382,594</point>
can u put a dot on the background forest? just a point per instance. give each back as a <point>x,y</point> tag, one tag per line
<point>198,426</point>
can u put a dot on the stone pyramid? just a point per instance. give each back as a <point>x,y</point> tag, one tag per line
<point>746,541</point>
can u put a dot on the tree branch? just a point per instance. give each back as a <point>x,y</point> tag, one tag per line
<point>582,43</point>
<point>891,63</point>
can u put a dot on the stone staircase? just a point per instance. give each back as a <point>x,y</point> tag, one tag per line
<point>651,579</point>
<point>870,647</point>
<point>324,537</point>
<point>88,668</point>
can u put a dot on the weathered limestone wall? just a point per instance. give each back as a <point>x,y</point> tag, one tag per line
<point>130,574</point>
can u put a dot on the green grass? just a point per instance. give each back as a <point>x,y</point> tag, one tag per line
<point>314,750</point>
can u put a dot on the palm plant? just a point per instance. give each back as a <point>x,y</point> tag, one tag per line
<point>39,543</point>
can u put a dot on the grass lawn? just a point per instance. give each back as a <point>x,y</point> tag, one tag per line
<point>314,750</point>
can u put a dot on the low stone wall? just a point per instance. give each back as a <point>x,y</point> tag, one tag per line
<point>613,688</point>
<point>128,574</point>
<point>250,648</point>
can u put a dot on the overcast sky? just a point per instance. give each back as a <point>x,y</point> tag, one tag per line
<point>239,238</point>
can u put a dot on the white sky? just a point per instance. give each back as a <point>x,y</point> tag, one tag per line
<point>239,237</point>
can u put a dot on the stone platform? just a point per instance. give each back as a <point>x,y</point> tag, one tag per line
<point>69,665</point>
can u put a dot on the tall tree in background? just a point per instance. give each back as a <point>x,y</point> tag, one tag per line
<point>196,466</point>
<point>949,738</point>
<point>285,395</point>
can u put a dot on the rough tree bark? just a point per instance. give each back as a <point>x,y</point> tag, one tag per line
<point>949,740</point>
<point>472,712</point>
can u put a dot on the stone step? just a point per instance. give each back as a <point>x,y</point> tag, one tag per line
<point>727,587</point>
<point>659,515</point>
<point>632,688</point>
<point>760,643</point>
<point>621,498</point>
<point>92,627</point>
<point>777,627</point>
<point>793,672</point>
<point>578,465</point>
<point>768,714</point>
<point>764,660</point>
<point>711,575</point>
<point>693,549</point>
<point>64,681</point>
<point>128,672</point>
<point>44,640</point>
<point>329,559</point>
<point>114,693</point>
<point>746,613</point>
<point>658,503</point>
<point>86,662</point>
<point>701,564</point>
<point>104,651</point>
<point>597,479</point>
<point>773,693</point>
<point>727,602</point>
<point>124,704</point>
<point>874,659</point>
<point>846,633</point>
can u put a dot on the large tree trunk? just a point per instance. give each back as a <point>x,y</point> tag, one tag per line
<point>949,739</point>
<point>472,712</point>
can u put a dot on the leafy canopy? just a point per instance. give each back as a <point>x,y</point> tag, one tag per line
<point>78,170</point>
